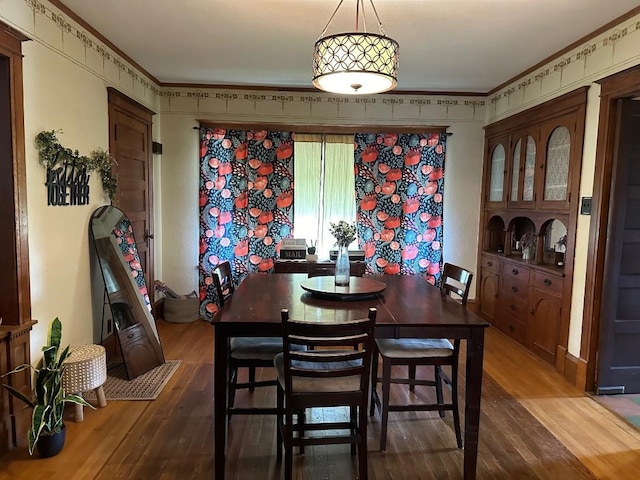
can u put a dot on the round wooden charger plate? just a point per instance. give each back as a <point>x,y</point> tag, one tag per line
<point>358,287</point>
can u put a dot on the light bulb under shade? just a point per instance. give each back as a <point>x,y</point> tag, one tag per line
<point>355,63</point>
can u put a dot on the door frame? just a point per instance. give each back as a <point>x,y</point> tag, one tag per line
<point>118,101</point>
<point>625,84</point>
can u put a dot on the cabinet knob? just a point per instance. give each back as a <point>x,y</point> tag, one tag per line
<point>547,282</point>
<point>514,288</point>
<point>511,329</point>
<point>512,307</point>
<point>515,271</point>
<point>490,264</point>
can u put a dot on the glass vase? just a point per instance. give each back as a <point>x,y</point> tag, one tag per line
<point>342,267</point>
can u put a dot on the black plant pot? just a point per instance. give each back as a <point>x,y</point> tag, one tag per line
<point>51,445</point>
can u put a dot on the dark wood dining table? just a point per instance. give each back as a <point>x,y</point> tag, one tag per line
<point>408,307</point>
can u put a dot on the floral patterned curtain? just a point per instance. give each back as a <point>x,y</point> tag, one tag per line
<point>399,190</point>
<point>246,197</point>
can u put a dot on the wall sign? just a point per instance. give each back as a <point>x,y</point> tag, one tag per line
<point>67,184</point>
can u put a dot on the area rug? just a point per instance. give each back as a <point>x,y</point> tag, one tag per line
<point>145,387</point>
<point>626,406</point>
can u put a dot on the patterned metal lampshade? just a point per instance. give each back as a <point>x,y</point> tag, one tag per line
<point>355,63</point>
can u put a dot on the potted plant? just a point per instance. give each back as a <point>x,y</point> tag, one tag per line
<point>47,430</point>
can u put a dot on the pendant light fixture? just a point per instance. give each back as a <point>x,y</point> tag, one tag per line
<point>356,62</point>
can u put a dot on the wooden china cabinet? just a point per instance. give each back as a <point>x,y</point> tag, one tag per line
<point>15,303</point>
<point>528,223</point>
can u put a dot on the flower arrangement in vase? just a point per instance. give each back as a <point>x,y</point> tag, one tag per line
<point>527,243</point>
<point>345,234</point>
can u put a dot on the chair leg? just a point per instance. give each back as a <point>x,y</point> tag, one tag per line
<point>233,379</point>
<point>300,419</point>
<point>454,400</point>
<point>279,417</point>
<point>288,446</point>
<point>386,384</point>
<point>362,445</point>
<point>412,376</point>
<point>439,381</point>
<point>353,419</point>
<point>252,378</point>
<point>374,381</point>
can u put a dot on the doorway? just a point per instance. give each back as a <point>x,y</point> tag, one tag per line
<point>130,144</point>
<point>618,368</point>
<point>611,320</point>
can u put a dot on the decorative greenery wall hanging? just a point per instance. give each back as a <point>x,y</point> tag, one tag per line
<point>68,171</point>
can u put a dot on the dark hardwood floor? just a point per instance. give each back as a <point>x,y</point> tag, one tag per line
<point>534,425</point>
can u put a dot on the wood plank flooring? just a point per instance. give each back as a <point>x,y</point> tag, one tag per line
<point>533,426</point>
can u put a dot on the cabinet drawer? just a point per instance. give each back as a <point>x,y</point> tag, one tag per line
<point>515,329</point>
<point>549,283</point>
<point>513,306</point>
<point>514,287</point>
<point>516,272</point>
<point>490,263</point>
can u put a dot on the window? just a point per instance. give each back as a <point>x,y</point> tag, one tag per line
<point>324,189</point>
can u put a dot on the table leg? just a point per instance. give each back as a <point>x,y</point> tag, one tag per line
<point>475,352</point>
<point>78,413</point>
<point>102,401</point>
<point>220,377</point>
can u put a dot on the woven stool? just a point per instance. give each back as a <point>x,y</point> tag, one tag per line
<point>85,369</point>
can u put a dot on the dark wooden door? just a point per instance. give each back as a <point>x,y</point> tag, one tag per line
<point>130,144</point>
<point>619,351</point>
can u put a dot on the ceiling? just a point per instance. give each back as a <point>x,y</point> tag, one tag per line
<point>445,45</point>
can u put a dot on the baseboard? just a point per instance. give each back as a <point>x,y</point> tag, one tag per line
<point>574,370</point>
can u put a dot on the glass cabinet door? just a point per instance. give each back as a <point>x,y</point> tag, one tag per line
<point>557,158</point>
<point>515,173</point>
<point>523,169</point>
<point>496,171</point>
<point>528,191</point>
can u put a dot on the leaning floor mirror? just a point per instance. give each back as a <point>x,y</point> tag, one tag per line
<point>126,291</point>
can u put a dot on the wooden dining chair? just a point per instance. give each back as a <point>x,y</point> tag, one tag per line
<point>324,269</point>
<point>332,372</point>
<point>246,352</point>
<point>411,352</point>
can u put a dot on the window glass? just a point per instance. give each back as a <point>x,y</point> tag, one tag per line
<point>324,189</point>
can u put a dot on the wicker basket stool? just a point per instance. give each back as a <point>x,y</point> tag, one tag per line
<point>85,369</point>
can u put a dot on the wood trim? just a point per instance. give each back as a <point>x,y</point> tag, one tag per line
<point>624,84</point>
<point>11,39</point>
<point>577,43</point>
<point>18,300</point>
<point>124,102</point>
<point>326,129</point>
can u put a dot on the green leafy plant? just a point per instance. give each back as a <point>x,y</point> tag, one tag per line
<point>49,396</point>
<point>344,232</point>
<point>50,153</point>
